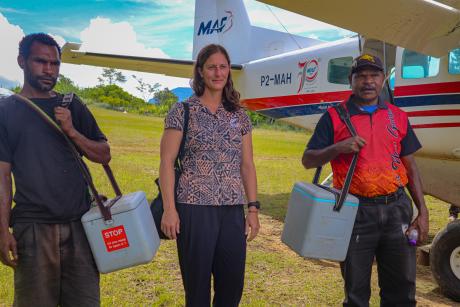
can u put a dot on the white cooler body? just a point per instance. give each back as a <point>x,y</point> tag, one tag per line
<point>130,240</point>
<point>312,228</point>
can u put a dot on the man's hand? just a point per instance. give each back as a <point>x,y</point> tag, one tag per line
<point>416,191</point>
<point>252,223</point>
<point>8,250</point>
<point>422,226</point>
<point>64,118</point>
<point>170,223</point>
<point>350,145</point>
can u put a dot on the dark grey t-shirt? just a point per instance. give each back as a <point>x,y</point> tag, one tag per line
<point>49,185</point>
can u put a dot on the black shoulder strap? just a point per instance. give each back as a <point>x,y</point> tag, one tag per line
<point>181,153</point>
<point>345,117</point>
<point>67,100</point>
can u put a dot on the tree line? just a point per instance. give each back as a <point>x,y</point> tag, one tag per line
<point>108,94</point>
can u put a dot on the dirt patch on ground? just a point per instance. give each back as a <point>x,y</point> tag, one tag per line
<point>428,293</point>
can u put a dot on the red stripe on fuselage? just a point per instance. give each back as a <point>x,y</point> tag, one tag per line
<point>427,89</point>
<point>436,125</point>
<point>294,100</point>
<point>433,113</point>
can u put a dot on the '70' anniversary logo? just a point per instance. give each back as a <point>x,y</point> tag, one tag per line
<point>308,73</point>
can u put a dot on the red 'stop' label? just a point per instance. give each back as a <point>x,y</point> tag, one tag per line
<point>115,238</point>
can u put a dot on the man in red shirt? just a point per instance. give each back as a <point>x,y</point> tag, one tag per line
<point>385,144</point>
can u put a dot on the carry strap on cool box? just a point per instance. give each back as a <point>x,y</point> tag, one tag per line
<point>105,209</point>
<point>320,220</point>
<point>340,197</point>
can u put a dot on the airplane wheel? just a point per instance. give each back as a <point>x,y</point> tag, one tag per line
<point>445,260</point>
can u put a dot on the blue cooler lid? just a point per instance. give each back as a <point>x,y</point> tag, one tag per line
<point>323,196</point>
<point>126,203</point>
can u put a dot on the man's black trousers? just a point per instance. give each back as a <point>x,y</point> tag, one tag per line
<point>212,241</point>
<point>379,231</point>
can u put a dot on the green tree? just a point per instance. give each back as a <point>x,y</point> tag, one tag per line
<point>165,98</point>
<point>66,85</point>
<point>111,76</point>
<point>259,119</point>
<point>147,90</point>
<point>16,89</point>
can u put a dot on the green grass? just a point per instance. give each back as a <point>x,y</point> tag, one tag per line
<point>275,276</point>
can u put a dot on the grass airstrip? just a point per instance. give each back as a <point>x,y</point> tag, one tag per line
<point>275,276</point>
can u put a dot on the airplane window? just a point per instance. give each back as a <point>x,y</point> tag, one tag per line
<point>339,69</point>
<point>454,62</point>
<point>416,65</point>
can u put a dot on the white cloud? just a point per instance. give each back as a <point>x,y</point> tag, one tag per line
<point>153,29</point>
<point>103,35</point>
<point>59,39</point>
<point>82,75</point>
<point>67,31</point>
<point>11,35</point>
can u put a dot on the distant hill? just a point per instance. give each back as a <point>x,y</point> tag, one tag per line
<point>6,83</point>
<point>181,92</point>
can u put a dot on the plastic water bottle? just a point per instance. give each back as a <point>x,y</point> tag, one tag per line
<point>412,237</point>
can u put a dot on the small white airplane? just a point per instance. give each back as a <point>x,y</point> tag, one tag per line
<point>295,79</point>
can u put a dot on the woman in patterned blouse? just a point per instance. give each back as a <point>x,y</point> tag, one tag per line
<point>218,178</point>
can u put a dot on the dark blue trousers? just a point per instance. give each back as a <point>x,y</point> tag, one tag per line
<point>379,232</point>
<point>212,242</point>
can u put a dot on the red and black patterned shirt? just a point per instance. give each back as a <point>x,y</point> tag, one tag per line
<point>389,136</point>
<point>212,154</point>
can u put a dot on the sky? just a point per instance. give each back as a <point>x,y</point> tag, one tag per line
<point>152,28</point>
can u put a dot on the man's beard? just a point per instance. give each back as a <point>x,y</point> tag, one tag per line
<point>34,82</point>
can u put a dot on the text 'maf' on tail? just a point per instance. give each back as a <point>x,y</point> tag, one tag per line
<point>226,22</point>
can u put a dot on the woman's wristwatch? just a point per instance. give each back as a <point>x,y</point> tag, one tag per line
<point>255,204</point>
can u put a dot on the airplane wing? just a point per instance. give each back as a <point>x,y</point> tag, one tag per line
<point>426,26</point>
<point>176,68</point>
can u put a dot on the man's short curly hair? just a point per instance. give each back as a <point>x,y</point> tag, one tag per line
<point>28,40</point>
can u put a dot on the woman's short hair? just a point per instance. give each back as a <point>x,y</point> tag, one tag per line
<point>231,97</point>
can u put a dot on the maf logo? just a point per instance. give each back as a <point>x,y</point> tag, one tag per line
<point>308,73</point>
<point>219,25</point>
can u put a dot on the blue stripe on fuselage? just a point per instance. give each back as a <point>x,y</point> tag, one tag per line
<point>319,108</point>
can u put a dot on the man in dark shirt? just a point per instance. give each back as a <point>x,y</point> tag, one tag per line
<point>385,144</point>
<point>48,248</point>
